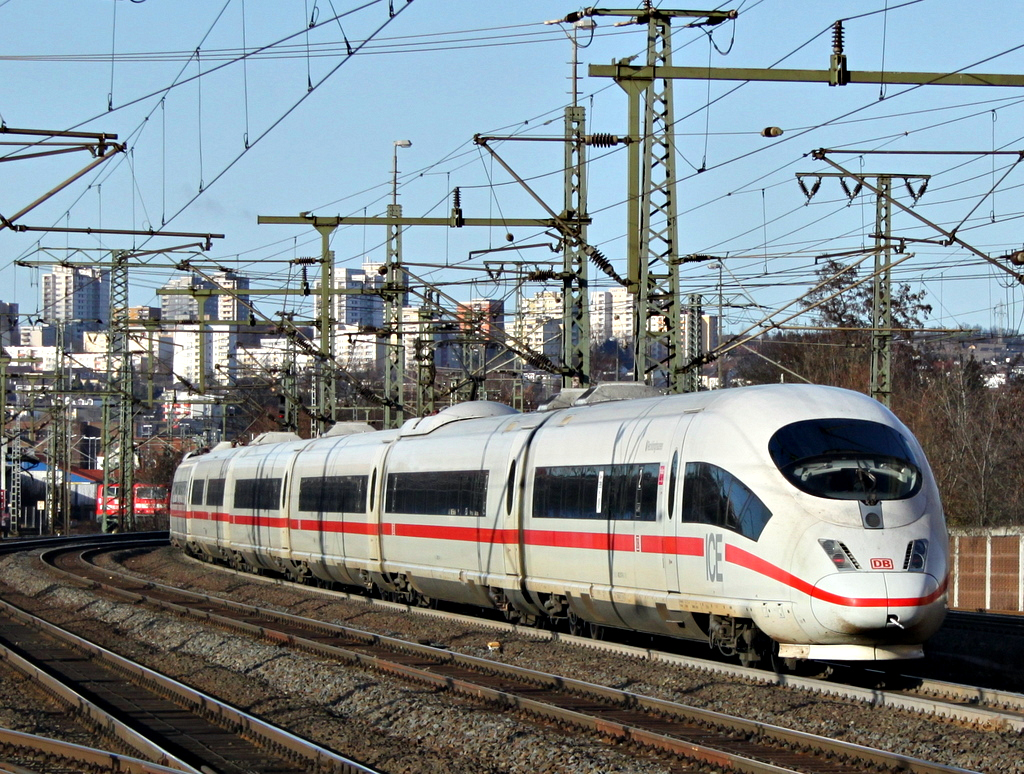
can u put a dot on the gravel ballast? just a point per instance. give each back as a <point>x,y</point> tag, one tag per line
<point>398,726</point>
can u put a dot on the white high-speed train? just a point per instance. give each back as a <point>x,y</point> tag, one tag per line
<point>793,520</point>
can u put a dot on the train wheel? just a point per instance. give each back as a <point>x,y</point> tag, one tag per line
<point>422,600</point>
<point>595,631</point>
<point>577,626</point>
<point>296,572</point>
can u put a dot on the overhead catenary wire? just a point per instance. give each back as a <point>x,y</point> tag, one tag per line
<point>764,239</point>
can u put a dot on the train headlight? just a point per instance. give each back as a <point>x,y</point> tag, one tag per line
<point>838,554</point>
<point>917,556</point>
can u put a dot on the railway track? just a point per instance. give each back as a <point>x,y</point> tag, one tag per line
<point>981,706</point>
<point>720,740</point>
<point>165,725</point>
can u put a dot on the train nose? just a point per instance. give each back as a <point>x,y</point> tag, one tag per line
<point>854,602</point>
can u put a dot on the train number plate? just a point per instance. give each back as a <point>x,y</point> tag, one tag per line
<point>881,564</point>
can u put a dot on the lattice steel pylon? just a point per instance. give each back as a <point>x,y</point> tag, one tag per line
<point>657,307</point>
<point>118,428</point>
<point>424,353</point>
<point>58,500</point>
<point>15,483</point>
<point>881,307</point>
<point>881,295</point>
<point>395,293</point>
<point>325,382</point>
<point>652,228</point>
<point>575,297</point>
<point>694,341</point>
<point>289,388</point>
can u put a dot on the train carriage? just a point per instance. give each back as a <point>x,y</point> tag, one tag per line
<point>205,496</point>
<point>183,534</point>
<point>255,489</point>
<point>333,507</point>
<point>445,517</point>
<point>598,493</point>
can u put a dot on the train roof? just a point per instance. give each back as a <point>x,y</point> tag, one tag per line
<point>756,408</point>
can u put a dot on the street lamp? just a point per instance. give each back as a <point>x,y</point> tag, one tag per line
<point>394,169</point>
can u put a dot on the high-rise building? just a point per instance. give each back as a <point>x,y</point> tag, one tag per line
<point>485,316</point>
<point>539,324</point>
<point>77,298</point>
<point>220,341</point>
<point>180,307</point>
<point>226,339</point>
<point>10,335</point>
<point>611,314</point>
<point>356,315</point>
<point>232,306</point>
<point>362,306</point>
<point>188,359</point>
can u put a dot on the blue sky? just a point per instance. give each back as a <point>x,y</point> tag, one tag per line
<point>438,73</point>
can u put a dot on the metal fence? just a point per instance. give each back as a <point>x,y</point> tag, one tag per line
<point>987,570</point>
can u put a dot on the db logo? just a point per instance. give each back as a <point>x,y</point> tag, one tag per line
<point>881,564</point>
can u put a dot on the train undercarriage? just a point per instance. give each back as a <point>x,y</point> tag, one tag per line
<point>733,638</point>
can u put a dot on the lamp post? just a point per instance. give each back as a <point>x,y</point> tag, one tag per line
<point>394,168</point>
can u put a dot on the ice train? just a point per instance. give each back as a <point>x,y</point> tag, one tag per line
<point>798,521</point>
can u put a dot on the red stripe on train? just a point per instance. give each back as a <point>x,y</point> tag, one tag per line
<point>736,555</point>
<point>595,541</point>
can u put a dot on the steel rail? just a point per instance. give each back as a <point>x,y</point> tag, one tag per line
<point>602,709</point>
<point>76,702</point>
<point>289,745</point>
<point>286,743</point>
<point>30,745</point>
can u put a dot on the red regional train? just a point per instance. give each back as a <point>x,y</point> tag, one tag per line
<point>148,499</point>
<point>791,521</point>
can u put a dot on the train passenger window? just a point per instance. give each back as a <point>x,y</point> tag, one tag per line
<point>846,459</point>
<point>442,492</point>
<point>712,495</point>
<point>197,491</point>
<point>612,492</point>
<point>631,492</point>
<point>510,488</point>
<point>215,491</point>
<point>333,494</point>
<point>179,492</point>
<point>258,494</point>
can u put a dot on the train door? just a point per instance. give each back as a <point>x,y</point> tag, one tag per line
<point>513,491</point>
<point>375,507</point>
<point>675,545</point>
<point>285,520</point>
<point>270,529</point>
<point>634,497</point>
<point>512,509</point>
<point>348,531</point>
<point>215,503</point>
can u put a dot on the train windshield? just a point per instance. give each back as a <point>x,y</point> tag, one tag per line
<point>846,459</point>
